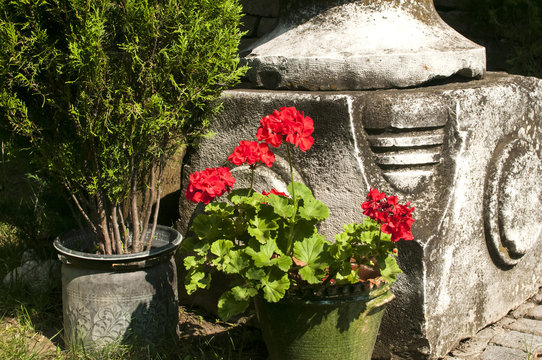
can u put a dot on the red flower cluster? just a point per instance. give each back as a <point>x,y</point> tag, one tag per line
<point>395,219</point>
<point>289,123</point>
<point>275,192</point>
<point>252,152</point>
<point>208,184</point>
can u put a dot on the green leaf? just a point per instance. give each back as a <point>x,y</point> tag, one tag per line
<point>222,209</point>
<point>191,262</point>
<point>229,305</point>
<point>282,206</point>
<point>242,293</point>
<point>262,253</point>
<point>314,210</point>
<point>235,262</point>
<point>260,228</point>
<point>310,251</point>
<point>196,279</point>
<point>255,274</point>
<point>389,269</point>
<point>242,197</point>
<point>275,290</point>
<point>283,262</point>
<point>221,248</point>
<point>207,226</point>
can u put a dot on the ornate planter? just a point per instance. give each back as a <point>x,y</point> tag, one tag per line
<point>125,298</point>
<point>342,326</point>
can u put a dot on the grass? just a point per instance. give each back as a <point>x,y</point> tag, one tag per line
<point>31,323</point>
<point>31,214</point>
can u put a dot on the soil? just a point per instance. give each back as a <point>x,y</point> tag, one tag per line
<point>199,327</point>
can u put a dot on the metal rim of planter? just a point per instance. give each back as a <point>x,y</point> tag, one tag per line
<point>161,249</point>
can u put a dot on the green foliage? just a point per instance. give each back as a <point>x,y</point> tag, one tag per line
<point>106,92</point>
<point>270,245</point>
<point>517,25</point>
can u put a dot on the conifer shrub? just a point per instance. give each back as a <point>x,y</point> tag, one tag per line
<point>106,92</point>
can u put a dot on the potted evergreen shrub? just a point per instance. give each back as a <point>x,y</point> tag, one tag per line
<point>106,93</point>
<point>315,299</point>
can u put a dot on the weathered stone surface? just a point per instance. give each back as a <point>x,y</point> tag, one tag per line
<point>455,281</point>
<point>522,310</point>
<point>527,326</point>
<point>475,346</point>
<point>535,313</point>
<point>517,340</point>
<point>360,44</point>
<point>503,353</point>
<point>37,275</point>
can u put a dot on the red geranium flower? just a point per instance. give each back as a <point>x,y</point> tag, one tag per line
<point>395,219</point>
<point>208,184</point>
<point>252,152</point>
<point>287,124</point>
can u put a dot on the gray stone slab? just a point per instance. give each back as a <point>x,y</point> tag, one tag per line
<point>535,313</point>
<point>521,310</point>
<point>503,353</point>
<point>476,345</point>
<point>517,340</point>
<point>529,326</point>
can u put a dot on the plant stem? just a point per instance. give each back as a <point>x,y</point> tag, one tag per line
<point>292,222</point>
<point>251,181</point>
<point>291,174</point>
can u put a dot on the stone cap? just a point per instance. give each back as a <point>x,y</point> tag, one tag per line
<point>360,44</point>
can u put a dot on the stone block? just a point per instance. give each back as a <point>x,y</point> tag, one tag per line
<point>503,353</point>
<point>529,326</point>
<point>521,310</point>
<point>475,346</point>
<point>535,313</point>
<point>517,340</point>
<point>466,154</point>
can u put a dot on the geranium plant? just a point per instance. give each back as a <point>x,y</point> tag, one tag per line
<point>269,242</point>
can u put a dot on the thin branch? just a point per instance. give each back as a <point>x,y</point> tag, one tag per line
<point>149,204</point>
<point>116,230</point>
<point>104,227</point>
<point>123,228</point>
<point>80,208</point>
<point>134,212</point>
<point>154,222</point>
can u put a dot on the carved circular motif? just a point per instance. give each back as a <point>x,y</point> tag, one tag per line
<point>513,199</point>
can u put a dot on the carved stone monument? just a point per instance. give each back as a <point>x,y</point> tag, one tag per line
<point>465,152</point>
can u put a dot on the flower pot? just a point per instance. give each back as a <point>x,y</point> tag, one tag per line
<point>129,298</point>
<point>341,326</point>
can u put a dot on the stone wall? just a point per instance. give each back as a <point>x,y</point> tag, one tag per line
<point>261,16</point>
